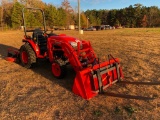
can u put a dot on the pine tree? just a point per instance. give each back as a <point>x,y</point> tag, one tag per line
<point>16,16</point>
<point>51,14</point>
<point>61,17</point>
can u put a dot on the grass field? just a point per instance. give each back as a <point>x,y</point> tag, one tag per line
<point>36,95</point>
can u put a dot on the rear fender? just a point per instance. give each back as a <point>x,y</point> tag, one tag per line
<point>34,46</point>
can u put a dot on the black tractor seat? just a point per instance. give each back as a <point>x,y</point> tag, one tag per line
<point>40,39</point>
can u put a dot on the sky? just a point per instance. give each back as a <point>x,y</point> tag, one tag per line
<point>105,4</point>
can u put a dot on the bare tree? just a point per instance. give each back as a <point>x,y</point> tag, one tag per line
<point>32,3</point>
<point>2,3</point>
<point>69,12</point>
<point>153,16</point>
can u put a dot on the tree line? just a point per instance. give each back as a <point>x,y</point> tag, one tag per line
<point>133,16</point>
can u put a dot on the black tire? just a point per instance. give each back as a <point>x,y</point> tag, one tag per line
<point>58,70</point>
<point>29,56</point>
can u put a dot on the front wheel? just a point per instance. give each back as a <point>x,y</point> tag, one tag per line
<point>27,56</point>
<point>58,70</point>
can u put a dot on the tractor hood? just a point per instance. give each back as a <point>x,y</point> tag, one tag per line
<point>64,38</point>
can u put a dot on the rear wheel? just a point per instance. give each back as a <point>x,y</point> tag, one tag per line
<point>58,70</point>
<point>27,56</point>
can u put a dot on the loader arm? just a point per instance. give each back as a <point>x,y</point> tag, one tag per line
<point>74,56</point>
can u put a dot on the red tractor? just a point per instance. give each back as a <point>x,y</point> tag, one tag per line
<point>92,76</point>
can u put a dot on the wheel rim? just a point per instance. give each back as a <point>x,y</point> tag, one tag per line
<point>24,57</point>
<point>56,70</point>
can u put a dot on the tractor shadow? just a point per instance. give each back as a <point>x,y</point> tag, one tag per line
<point>132,96</point>
<point>4,49</point>
<point>127,96</point>
<point>140,83</point>
<point>43,68</point>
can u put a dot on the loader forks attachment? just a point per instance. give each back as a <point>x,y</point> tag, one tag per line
<point>91,81</point>
<point>104,78</point>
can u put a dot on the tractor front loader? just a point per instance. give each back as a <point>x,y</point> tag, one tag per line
<point>92,75</point>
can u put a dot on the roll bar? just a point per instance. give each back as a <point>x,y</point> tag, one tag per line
<point>23,15</point>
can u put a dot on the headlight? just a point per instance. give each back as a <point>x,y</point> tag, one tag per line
<point>75,45</point>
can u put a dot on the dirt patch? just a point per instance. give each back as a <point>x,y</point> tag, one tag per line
<point>36,94</point>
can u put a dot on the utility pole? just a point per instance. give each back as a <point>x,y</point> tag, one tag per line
<point>87,21</point>
<point>79,26</point>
